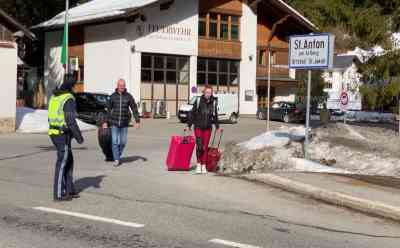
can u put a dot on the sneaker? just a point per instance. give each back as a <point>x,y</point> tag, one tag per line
<point>198,169</point>
<point>116,163</point>
<point>204,169</point>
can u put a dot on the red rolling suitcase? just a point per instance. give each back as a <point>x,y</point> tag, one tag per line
<point>214,155</point>
<point>180,152</point>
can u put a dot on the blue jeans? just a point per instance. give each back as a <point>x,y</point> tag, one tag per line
<point>119,140</point>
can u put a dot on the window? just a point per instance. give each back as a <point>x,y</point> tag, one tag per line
<point>261,57</point>
<point>165,69</point>
<point>5,35</point>
<point>217,72</point>
<point>219,26</point>
<point>213,26</point>
<point>328,85</point>
<point>224,30</point>
<point>202,26</point>
<point>234,28</point>
<point>273,57</point>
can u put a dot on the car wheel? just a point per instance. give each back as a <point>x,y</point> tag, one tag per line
<point>233,119</point>
<point>261,116</point>
<point>286,118</point>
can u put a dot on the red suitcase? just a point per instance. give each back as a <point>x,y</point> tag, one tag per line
<point>214,155</point>
<point>180,153</point>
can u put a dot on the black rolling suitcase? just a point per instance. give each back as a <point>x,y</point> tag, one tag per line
<point>104,136</point>
<point>105,142</point>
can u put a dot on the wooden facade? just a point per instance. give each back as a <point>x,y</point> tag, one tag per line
<point>220,47</point>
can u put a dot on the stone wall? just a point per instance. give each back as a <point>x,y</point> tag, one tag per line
<point>7,125</point>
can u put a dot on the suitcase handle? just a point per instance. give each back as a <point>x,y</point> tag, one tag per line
<point>185,137</point>
<point>220,138</point>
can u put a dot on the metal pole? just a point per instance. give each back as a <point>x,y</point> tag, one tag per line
<point>306,144</point>
<point>269,88</point>
<point>399,116</point>
<point>67,37</point>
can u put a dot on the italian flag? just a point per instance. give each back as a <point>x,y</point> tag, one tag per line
<point>64,51</point>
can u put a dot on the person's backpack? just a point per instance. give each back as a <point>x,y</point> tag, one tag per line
<point>215,103</point>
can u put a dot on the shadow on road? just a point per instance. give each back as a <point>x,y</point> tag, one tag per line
<point>132,159</point>
<point>85,183</point>
<point>52,148</point>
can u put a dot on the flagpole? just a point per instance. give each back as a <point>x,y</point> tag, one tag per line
<point>67,36</point>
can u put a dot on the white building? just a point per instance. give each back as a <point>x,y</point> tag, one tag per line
<point>8,70</point>
<point>343,77</point>
<point>169,49</point>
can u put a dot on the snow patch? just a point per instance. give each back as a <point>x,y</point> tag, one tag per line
<point>36,121</point>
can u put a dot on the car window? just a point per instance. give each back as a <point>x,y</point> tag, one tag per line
<point>102,98</point>
<point>276,105</point>
<point>193,100</point>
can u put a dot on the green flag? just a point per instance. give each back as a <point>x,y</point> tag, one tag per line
<point>64,51</point>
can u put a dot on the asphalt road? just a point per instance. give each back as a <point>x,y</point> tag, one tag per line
<point>140,204</point>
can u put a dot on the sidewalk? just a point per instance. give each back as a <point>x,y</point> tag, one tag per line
<point>369,194</point>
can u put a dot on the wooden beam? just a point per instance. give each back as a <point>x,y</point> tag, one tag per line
<point>275,26</point>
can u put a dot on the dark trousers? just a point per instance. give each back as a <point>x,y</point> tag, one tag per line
<point>204,135</point>
<point>63,179</point>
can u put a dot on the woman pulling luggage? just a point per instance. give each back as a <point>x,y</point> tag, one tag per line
<point>203,116</point>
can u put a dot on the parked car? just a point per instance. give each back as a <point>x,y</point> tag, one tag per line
<point>90,105</point>
<point>228,108</point>
<point>283,111</point>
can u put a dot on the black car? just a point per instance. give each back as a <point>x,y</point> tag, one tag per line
<point>283,111</point>
<point>90,105</point>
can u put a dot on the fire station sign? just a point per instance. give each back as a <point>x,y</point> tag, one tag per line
<point>313,51</point>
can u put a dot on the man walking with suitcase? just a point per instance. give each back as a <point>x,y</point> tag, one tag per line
<point>62,128</point>
<point>121,105</point>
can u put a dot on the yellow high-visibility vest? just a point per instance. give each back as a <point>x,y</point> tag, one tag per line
<point>56,113</point>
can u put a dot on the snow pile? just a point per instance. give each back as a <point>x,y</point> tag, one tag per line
<point>268,139</point>
<point>361,116</point>
<point>35,121</point>
<point>361,150</point>
<point>270,151</point>
<point>276,139</point>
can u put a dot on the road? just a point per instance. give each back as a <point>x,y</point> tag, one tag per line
<point>140,204</point>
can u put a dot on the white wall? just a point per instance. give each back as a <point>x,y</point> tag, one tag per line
<point>114,50</point>
<point>248,68</point>
<point>53,69</point>
<point>8,93</point>
<point>183,14</point>
<point>107,57</point>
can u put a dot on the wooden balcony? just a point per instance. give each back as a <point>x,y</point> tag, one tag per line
<point>212,48</point>
<point>277,71</point>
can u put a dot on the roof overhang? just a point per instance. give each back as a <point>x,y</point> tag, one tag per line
<point>97,11</point>
<point>14,25</point>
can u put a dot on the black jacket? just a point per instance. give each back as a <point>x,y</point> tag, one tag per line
<point>204,113</point>
<point>120,107</point>
<point>72,127</point>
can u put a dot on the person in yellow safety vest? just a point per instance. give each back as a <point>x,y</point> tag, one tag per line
<point>62,129</point>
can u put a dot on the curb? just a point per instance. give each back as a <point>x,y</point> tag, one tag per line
<point>366,206</point>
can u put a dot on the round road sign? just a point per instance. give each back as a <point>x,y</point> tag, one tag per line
<point>344,98</point>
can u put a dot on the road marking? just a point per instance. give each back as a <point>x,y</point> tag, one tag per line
<point>89,217</point>
<point>232,244</point>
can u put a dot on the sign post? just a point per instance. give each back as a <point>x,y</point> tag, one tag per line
<point>314,51</point>
<point>344,101</point>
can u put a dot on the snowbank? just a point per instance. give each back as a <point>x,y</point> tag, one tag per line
<point>277,139</point>
<point>362,116</point>
<point>35,121</point>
